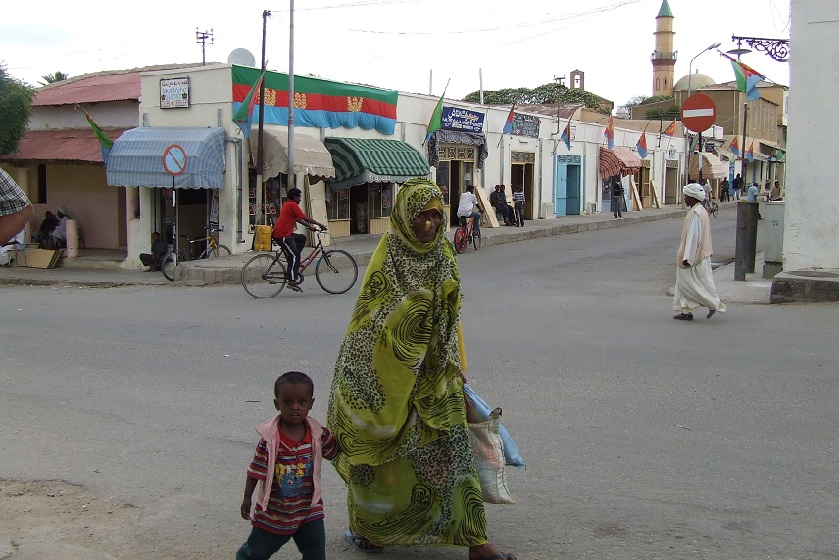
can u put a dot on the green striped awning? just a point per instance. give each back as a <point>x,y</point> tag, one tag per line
<point>373,160</point>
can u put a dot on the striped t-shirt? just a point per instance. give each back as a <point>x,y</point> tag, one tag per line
<point>518,196</point>
<point>290,504</point>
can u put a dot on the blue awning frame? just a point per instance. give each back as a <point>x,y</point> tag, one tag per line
<point>136,159</point>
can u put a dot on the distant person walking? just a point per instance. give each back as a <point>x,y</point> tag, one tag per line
<point>737,184</point>
<point>694,278</point>
<point>617,196</point>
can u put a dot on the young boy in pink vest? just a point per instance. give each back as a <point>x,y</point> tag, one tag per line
<point>285,473</point>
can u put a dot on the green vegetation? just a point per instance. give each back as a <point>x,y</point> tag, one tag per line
<point>15,109</point>
<point>544,94</point>
<point>52,78</point>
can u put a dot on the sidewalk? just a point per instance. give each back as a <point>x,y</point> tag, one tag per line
<point>101,268</point>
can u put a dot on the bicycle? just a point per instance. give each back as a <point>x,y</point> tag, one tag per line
<point>213,249</point>
<point>264,275</point>
<point>464,234</point>
<point>711,207</point>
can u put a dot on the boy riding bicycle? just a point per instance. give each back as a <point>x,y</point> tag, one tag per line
<point>292,243</point>
<point>465,209</point>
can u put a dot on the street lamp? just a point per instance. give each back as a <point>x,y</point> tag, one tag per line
<point>690,66</point>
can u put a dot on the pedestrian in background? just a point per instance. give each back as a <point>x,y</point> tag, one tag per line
<point>518,201</point>
<point>694,277</point>
<point>617,196</point>
<point>738,186</point>
<point>725,196</point>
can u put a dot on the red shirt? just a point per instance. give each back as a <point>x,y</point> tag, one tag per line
<point>289,214</point>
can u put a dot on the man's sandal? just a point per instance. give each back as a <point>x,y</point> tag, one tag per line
<point>361,543</point>
<point>684,317</point>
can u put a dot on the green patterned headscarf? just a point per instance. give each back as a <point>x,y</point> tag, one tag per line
<point>397,372</point>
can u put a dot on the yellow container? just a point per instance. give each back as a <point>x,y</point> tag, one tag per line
<point>262,238</point>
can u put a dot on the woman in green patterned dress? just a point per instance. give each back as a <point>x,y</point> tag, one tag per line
<point>396,403</point>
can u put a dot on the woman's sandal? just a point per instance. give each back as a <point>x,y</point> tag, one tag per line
<point>361,543</point>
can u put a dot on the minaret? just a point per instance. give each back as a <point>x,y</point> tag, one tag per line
<point>664,57</point>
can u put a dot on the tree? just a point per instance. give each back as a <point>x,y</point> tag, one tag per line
<point>15,109</point>
<point>52,78</point>
<point>544,94</point>
<point>635,101</point>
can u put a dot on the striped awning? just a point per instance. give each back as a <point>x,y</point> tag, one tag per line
<point>618,161</point>
<point>310,156</point>
<point>137,158</point>
<point>712,166</point>
<point>373,160</point>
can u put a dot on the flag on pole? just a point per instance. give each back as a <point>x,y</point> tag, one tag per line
<point>508,125</point>
<point>104,140</point>
<point>641,146</point>
<point>693,142</point>
<point>747,79</point>
<point>750,155</point>
<point>244,115</point>
<point>566,134</point>
<point>436,122</point>
<point>610,133</point>
<point>671,130</point>
<point>735,147</point>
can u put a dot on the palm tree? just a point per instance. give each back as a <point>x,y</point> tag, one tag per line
<point>52,78</point>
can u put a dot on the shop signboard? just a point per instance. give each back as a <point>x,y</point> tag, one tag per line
<point>174,93</point>
<point>525,125</point>
<point>463,120</point>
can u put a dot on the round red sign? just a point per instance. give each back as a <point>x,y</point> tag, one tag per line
<point>699,112</point>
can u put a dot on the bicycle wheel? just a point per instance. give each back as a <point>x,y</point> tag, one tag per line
<point>714,209</point>
<point>461,240</point>
<point>218,251</point>
<point>476,241</point>
<point>261,279</point>
<point>168,267</point>
<point>336,271</point>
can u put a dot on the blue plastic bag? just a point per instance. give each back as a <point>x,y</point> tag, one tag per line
<point>483,410</point>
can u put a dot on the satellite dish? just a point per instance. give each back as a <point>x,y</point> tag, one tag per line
<point>242,57</point>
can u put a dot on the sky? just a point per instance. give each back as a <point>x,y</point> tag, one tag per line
<point>408,45</point>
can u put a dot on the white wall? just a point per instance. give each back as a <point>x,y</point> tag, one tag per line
<point>811,231</point>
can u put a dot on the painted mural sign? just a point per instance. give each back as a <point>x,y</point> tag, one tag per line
<point>526,125</point>
<point>455,118</point>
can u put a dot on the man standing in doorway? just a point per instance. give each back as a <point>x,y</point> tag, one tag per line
<point>292,243</point>
<point>694,278</point>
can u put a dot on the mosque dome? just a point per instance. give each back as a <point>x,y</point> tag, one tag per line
<point>697,81</point>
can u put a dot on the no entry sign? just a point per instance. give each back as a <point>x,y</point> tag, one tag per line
<point>174,160</point>
<point>699,112</point>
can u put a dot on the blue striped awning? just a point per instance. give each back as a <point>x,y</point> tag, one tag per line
<point>136,160</point>
<point>373,160</point>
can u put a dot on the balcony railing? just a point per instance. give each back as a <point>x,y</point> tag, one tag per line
<point>660,55</point>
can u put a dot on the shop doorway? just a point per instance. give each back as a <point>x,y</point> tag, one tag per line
<point>671,185</point>
<point>455,176</point>
<point>567,189</point>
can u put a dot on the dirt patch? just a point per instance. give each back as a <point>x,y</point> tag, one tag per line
<point>55,520</point>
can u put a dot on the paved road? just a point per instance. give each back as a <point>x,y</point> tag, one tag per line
<point>644,437</point>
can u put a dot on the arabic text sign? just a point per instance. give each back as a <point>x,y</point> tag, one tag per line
<point>455,118</point>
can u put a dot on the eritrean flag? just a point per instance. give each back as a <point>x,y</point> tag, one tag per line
<point>641,146</point>
<point>566,134</point>
<point>734,147</point>
<point>747,79</point>
<point>436,120</point>
<point>693,142</point>
<point>317,103</point>
<point>104,140</point>
<point>750,155</point>
<point>671,130</point>
<point>508,125</point>
<point>243,117</point>
<point>610,133</point>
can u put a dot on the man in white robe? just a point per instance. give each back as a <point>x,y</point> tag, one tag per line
<point>694,278</point>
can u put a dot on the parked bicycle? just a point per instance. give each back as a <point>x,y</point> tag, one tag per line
<point>464,234</point>
<point>264,275</point>
<point>213,249</point>
<point>711,207</point>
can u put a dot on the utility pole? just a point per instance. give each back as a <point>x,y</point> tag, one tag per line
<point>201,37</point>
<point>559,86</point>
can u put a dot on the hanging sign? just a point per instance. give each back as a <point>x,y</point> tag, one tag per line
<point>464,120</point>
<point>526,125</point>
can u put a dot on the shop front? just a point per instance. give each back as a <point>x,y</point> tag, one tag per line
<point>185,167</point>
<point>367,171</point>
<point>617,163</point>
